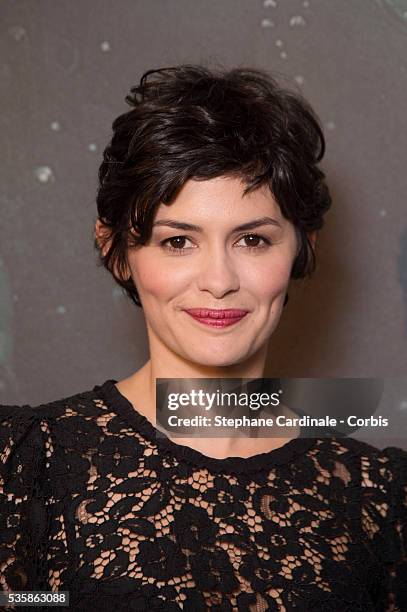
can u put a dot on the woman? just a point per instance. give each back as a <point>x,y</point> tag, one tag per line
<point>209,202</point>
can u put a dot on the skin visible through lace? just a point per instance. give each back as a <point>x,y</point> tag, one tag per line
<point>232,535</point>
<point>201,481</point>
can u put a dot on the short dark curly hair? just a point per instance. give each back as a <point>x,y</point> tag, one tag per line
<point>190,121</point>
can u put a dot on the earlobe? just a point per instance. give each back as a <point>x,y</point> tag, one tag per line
<point>313,237</point>
<point>102,236</point>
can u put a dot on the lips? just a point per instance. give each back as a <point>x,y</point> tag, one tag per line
<point>217,318</point>
<point>207,313</point>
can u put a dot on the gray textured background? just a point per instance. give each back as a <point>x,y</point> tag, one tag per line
<point>65,70</point>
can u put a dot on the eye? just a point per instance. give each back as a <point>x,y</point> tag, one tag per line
<point>179,241</point>
<point>176,244</point>
<point>253,241</point>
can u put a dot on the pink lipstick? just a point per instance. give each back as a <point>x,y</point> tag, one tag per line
<point>217,318</point>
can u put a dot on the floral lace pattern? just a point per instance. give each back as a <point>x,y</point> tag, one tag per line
<point>93,502</point>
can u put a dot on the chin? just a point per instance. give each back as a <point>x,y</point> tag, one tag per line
<point>217,362</point>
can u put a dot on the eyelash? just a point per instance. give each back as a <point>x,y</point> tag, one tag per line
<point>179,251</point>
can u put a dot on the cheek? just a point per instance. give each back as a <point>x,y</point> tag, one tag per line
<point>154,283</point>
<point>154,279</point>
<point>268,280</point>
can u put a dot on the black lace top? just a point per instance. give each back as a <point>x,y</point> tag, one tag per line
<point>94,503</point>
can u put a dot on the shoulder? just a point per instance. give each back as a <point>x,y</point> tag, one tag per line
<point>26,430</point>
<point>350,450</point>
<point>377,480</point>
<point>370,473</point>
<point>84,403</point>
<point>386,463</point>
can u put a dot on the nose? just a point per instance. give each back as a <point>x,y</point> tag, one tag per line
<point>217,272</point>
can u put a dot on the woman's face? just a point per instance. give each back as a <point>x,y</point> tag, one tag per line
<point>218,266</point>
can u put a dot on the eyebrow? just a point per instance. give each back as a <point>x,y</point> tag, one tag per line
<point>196,228</point>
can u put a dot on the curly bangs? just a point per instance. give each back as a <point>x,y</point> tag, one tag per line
<point>192,122</point>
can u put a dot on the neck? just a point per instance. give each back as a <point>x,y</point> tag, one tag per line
<point>252,368</point>
<point>140,387</point>
<point>140,390</point>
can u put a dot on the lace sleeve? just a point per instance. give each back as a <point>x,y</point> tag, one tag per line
<point>395,541</point>
<point>21,511</point>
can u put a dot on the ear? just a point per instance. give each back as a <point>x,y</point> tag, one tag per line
<point>103,237</point>
<point>313,237</point>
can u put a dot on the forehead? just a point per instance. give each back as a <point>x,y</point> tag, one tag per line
<point>220,197</point>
